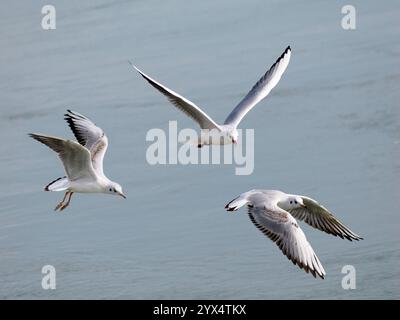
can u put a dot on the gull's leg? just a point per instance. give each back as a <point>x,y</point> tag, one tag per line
<point>68,201</point>
<point>61,202</point>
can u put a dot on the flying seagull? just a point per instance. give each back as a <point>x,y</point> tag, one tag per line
<point>275,212</point>
<point>83,161</point>
<point>225,133</point>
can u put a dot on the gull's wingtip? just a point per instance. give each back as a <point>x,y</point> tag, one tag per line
<point>133,65</point>
<point>285,55</point>
<point>71,114</point>
<point>288,51</point>
<point>142,73</point>
<point>37,136</point>
<point>34,135</point>
<point>68,114</point>
<point>357,238</point>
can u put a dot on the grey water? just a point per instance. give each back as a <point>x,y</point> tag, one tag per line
<point>329,130</point>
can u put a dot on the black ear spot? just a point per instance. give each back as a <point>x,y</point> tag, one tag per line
<point>291,201</point>
<point>110,189</point>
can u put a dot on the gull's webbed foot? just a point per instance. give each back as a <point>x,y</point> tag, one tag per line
<point>61,206</point>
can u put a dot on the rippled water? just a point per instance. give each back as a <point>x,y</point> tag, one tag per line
<point>329,130</point>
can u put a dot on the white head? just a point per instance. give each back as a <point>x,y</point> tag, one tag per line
<point>292,202</point>
<point>114,189</point>
<point>233,135</point>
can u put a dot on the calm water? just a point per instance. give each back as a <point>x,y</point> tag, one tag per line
<point>329,130</point>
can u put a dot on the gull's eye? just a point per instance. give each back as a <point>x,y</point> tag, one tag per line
<point>291,201</point>
<point>115,190</point>
<point>295,201</point>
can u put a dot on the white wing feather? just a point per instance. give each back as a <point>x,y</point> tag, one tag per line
<point>183,104</point>
<point>260,90</point>
<point>90,136</point>
<point>282,228</point>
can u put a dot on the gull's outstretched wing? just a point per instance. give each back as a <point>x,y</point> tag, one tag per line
<point>320,218</point>
<point>261,89</point>
<point>90,136</point>
<point>183,104</point>
<point>282,228</point>
<point>75,158</point>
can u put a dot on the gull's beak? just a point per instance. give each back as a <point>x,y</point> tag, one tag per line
<point>303,206</point>
<point>234,141</point>
<point>122,195</point>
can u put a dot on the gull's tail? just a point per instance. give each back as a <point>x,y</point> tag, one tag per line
<point>237,203</point>
<point>60,184</point>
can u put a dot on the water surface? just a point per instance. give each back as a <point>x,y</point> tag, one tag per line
<point>329,130</point>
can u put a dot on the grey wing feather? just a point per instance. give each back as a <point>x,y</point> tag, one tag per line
<point>320,218</point>
<point>90,136</point>
<point>183,104</point>
<point>261,89</point>
<point>281,228</point>
<point>75,158</point>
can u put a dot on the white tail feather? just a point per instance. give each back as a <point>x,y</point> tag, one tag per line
<point>60,184</point>
<point>237,203</point>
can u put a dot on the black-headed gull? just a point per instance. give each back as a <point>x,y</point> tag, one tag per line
<point>274,213</point>
<point>225,133</point>
<point>83,161</point>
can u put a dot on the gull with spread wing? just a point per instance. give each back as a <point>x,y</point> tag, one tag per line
<point>275,213</point>
<point>82,160</point>
<point>225,133</point>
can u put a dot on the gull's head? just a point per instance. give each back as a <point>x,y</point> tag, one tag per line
<point>293,202</point>
<point>233,136</point>
<point>115,189</point>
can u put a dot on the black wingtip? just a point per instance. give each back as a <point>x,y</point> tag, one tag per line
<point>69,114</point>
<point>284,53</point>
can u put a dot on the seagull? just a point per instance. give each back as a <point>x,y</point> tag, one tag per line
<point>275,212</point>
<point>213,133</point>
<point>82,160</point>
